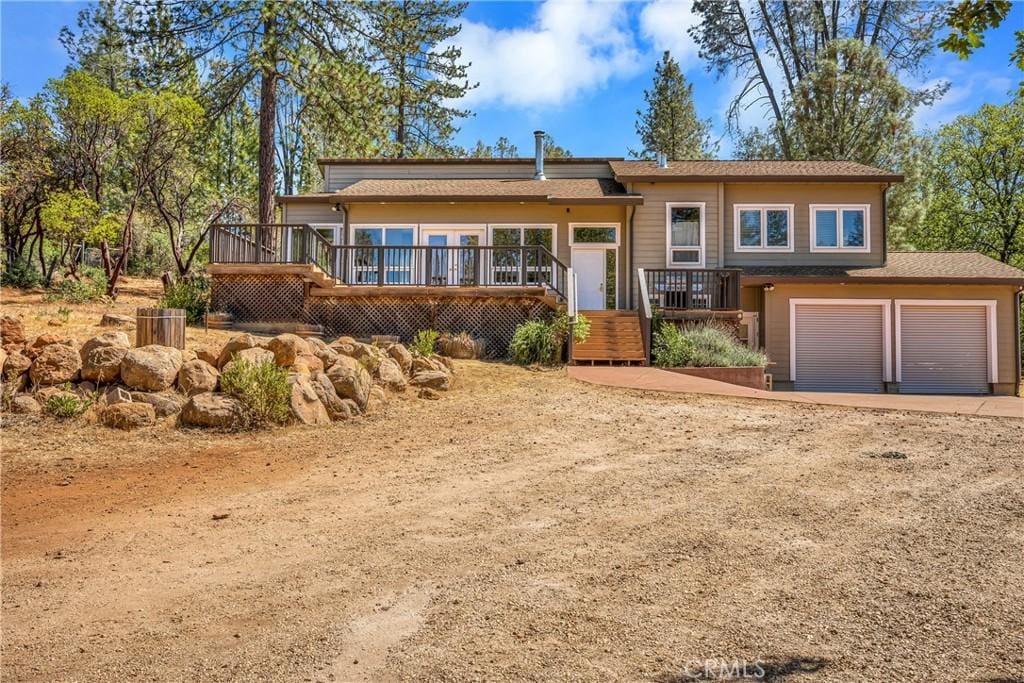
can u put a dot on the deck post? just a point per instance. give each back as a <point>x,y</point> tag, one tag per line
<point>380,266</point>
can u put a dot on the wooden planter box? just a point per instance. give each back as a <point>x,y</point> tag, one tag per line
<point>744,377</point>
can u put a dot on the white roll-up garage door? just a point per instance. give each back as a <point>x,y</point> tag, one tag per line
<point>943,349</point>
<point>839,347</point>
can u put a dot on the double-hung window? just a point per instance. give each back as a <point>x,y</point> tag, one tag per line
<point>759,227</point>
<point>840,227</point>
<point>684,239</point>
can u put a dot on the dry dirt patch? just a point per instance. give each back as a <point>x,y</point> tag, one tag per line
<point>525,526</point>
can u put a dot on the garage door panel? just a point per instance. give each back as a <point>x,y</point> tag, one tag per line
<point>839,347</point>
<point>944,349</point>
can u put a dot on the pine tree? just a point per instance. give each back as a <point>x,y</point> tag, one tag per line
<point>419,77</point>
<point>670,124</point>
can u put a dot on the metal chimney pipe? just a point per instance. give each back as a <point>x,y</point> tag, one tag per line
<point>662,160</point>
<point>538,154</point>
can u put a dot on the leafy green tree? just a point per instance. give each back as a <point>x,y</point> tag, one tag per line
<point>73,219</point>
<point>907,202</point>
<point>978,201</point>
<point>970,19</point>
<point>553,150</point>
<point>670,123</point>
<point>756,41</point>
<point>421,70</point>
<point>501,149</point>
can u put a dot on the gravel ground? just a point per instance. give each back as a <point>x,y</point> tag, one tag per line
<point>523,527</point>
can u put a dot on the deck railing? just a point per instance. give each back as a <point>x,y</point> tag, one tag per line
<point>390,266</point>
<point>694,289</point>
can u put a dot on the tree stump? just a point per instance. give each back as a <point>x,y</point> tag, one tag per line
<point>163,326</point>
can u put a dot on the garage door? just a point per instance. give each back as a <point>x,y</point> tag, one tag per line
<point>839,347</point>
<point>943,349</point>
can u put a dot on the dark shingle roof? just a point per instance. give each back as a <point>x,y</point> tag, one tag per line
<point>551,191</point>
<point>735,170</point>
<point>921,266</point>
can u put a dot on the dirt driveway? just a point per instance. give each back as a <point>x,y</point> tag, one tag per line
<point>524,527</point>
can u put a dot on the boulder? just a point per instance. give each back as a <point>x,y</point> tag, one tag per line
<point>197,376</point>
<point>461,345</point>
<point>113,338</point>
<point>389,373</point>
<point>128,416</point>
<point>338,408</point>
<point>318,348</point>
<point>422,363</point>
<point>102,363</point>
<point>255,355</point>
<point>22,404</point>
<point>12,332</point>
<point>446,363</point>
<point>208,354</point>
<point>307,364</point>
<point>165,404</point>
<point>151,368</point>
<point>429,394</point>
<point>116,320</point>
<point>56,364</point>
<point>350,380</point>
<point>213,410</point>
<point>367,354</point>
<point>287,347</point>
<point>3,359</point>
<point>85,389</point>
<point>304,403</point>
<point>44,340</point>
<point>187,355</point>
<point>44,394</point>
<point>16,364</point>
<point>432,379</point>
<point>235,344</point>
<point>377,399</point>
<point>401,355</point>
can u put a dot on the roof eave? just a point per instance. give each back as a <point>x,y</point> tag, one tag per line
<point>753,280</point>
<point>617,200</point>
<point>691,178</point>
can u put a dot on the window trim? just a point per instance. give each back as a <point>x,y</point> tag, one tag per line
<point>553,227</point>
<point>840,228</point>
<point>790,210</point>
<point>353,268</point>
<point>592,224</point>
<point>701,248</point>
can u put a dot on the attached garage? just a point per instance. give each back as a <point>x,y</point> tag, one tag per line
<point>945,347</point>
<point>840,344</point>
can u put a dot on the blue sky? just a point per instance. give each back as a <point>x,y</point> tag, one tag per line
<point>576,69</point>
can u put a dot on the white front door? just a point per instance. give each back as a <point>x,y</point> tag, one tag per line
<point>589,266</point>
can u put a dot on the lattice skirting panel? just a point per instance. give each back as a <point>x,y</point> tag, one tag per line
<point>282,298</point>
<point>491,319</point>
<point>260,298</point>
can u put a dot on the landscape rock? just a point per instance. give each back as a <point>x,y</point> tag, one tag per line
<point>307,364</point>
<point>350,380</point>
<point>213,410</point>
<point>23,404</point>
<point>343,345</point>
<point>338,408</point>
<point>12,332</point>
<point>113,338</point>
<point>304,403</point>
<point>117,320</point>
<point>446,363</point>
<point>237,343</point>
<point>44,340</point>
<point>287,347</point>
<point>369,355</point>
<point>164,404</point>
<point>3,359</point>
<point>377,398</point>
<point>85,389</point>
<point>429,394</point>
<point>151,368</point>
<point>46,393</point>
<point>55,364</point>
<point>128,416</point>
<point>461,345</point>
<point>389,373</point>
<point>16,364</point>
<point>102,363</point>
<point>432,379</point>
<point>187,355</point>
<point>208,354</point>
<point>401,355</point>
<point>197,376</point>
<point>321,350</point>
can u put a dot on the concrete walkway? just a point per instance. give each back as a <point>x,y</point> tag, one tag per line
<point>654,379</point>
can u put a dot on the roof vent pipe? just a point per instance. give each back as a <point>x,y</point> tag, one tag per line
<point>662,160</point>
<point>538,154</point>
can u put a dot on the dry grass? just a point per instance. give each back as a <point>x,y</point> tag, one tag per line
<point>523,527</point>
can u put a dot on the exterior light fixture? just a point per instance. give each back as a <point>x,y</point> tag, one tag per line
<point>336,206</point>
<point>769,287</point>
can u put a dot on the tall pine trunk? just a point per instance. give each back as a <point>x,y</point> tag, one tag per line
<point>268,114</point>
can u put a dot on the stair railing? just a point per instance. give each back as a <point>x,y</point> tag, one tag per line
<point>645,312</point>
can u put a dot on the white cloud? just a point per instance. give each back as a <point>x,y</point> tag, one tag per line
<point>968,89</point>
<point>665,23</point>
<point>572,47</point>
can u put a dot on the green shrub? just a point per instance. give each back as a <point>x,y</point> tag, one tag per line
<point>91,287</point>
<point>261,387</point>
<point>539,342</point>
<point>424,341</point>
<point>707,345</point>
<point>66,406</point>
<point>191,294</point>
<point>21,273</point>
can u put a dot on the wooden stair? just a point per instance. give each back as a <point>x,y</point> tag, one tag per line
<point>614,338</point>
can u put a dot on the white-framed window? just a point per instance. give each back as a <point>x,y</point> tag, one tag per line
<point>840,227</point>
<point>506,265</point>
<point>333,234</point>
<point>684,234</point>
<point>763,227</point>
<point>365,257</point>
<point>594,233</point>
